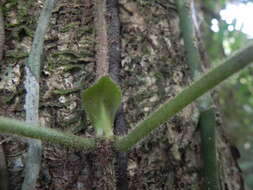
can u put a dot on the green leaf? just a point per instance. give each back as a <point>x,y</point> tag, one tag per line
<point>101,102</point>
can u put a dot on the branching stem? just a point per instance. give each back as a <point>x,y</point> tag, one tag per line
<point>208,81</point>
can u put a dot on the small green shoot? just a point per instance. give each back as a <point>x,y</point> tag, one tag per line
<point>101,102</point>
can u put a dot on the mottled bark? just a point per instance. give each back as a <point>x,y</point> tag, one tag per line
<point>153,69</point>
<point>3,167</point>
<point>3,170</point>
<point>101,39</point>
<point>2,36</point>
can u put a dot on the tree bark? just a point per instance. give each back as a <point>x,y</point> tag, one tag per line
<point>153,69</point>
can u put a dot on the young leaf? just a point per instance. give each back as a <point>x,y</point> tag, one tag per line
<point>101,102</point>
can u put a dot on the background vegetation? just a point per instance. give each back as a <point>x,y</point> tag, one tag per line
<point>235,95</point>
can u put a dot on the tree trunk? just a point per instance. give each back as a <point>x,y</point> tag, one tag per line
<point>153,69</point>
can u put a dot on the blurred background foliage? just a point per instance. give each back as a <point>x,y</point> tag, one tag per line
<point>222,36</point>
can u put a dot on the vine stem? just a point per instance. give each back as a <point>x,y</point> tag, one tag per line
<point>186,26</point>
<point>207,124</point>
<point>53,136</point>
<point>208,81</point>
<point>207,121</point>
<point>33,160</point>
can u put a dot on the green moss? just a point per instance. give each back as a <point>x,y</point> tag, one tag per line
<point>146,3</point>
<point>69,27</point>
<point>72,67</point>
<point>16,54</point>
<point>66,91</point>
<point>71,121</point>
<point>71,57</point>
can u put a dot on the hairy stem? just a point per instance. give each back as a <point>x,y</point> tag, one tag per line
<point>233,64</point>
<point>12,126</point>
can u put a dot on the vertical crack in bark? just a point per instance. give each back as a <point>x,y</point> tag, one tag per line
<point>113,33</point>
<point>114,56</point>
<point>121,157</point>
<point>108,63</point>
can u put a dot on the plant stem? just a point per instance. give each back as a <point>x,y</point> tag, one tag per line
<point>12,126</point>
<point>186,26</point>
<point>108,63</point>
<point>233,64</point>
<point>207,124</point>
<point>207,121</point>
<point>32,68</point>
